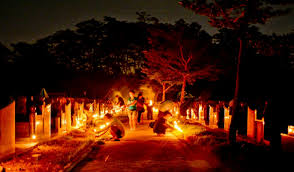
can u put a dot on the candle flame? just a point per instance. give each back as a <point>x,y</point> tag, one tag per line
<point>150,103</point>
<point>177,127</point>
<point>102,126</point>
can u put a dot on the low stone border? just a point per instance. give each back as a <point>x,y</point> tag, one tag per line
<point>81,155</point>
<point>65,160</point>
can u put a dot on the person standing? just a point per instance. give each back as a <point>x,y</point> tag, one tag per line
<point>140,106</point>
<point>132,113</point>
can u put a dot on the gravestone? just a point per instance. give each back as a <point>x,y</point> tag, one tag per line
<point>201,114</point>
<point>227,120</point>
<point>57,125</point>
<point>212,117</point>
<point>251,123</point>
<point>63,121</point>
<point>46,113</point>
<point>39,125</point>
<point>7,129</point>
<point>68,116</point>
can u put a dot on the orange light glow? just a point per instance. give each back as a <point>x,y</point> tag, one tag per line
<point>290,130</point>
<point>102,126</point>
<point>34,136</point>
<point>177,127</point>
<point>155,110</point>
<point>150,103</point>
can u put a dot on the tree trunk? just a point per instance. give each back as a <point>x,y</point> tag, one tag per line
<point>183,90</point>
<point>163,91</point>
<point>233,126</point>
<point>156,95</point>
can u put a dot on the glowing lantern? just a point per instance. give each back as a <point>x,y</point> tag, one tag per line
<point>95,116</point>
<point>37,122</point>
<point>34,137</point>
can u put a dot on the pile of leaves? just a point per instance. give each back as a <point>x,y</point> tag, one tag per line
<point>52,155</point>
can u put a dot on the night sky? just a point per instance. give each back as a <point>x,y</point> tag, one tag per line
<point>29,20</point>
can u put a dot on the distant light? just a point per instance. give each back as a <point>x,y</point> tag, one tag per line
<point>34,137</point>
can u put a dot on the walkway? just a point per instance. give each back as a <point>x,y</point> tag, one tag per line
<point>141,150</point>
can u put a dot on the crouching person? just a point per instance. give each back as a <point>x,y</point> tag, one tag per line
<point>116,127</point>
<point>161,124</point>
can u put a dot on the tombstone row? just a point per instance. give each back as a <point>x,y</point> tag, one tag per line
<point>220,117</point>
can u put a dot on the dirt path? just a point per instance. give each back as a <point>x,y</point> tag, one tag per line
<point>141,150</point>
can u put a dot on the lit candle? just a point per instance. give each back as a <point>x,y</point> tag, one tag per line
<point>150,103</point>
<point>34,137</point>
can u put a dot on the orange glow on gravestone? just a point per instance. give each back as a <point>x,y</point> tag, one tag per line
<point>290,130</point>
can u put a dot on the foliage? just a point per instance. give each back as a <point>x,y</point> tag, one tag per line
<point>238,15</point>
<point>179,54</point>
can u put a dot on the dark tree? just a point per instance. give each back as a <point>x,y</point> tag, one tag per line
<point>179,53</point>
<point>238,15</point>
